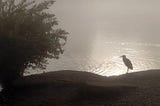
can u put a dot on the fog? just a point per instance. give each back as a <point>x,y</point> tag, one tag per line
<point>126,20</point>
<point>102,30</point>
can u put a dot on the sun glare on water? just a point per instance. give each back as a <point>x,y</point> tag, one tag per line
<point>142,56</point>
<point>112,67</point>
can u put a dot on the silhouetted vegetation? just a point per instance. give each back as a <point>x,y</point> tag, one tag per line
<point>28,37</point>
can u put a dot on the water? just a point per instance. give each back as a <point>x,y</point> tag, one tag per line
<point>103,58</point>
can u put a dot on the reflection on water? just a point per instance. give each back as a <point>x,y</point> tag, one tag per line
<point>104,58</point>
<point>143,56</point>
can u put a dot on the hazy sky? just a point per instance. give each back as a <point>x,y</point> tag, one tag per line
<point>123,20</point>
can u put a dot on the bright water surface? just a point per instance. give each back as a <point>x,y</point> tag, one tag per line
<point>104,58</point>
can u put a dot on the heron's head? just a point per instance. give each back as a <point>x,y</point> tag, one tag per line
<point>123,56</point>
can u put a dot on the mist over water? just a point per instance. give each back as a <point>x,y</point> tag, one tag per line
<point>103,58</point>
<point>103,30</point>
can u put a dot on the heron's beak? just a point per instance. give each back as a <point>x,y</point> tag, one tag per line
<point>121,56</point>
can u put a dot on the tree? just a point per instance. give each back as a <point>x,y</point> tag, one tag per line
<point>28,37</point>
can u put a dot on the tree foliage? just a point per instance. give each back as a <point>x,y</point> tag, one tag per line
<point>28,36</point>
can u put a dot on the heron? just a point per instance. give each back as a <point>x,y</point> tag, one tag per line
<point>127,63</point>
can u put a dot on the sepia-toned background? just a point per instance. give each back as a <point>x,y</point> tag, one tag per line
<point>102,30</point>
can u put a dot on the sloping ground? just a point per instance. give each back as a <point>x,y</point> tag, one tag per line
<point>75,88</point>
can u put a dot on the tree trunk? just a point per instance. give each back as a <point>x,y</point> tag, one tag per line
<point>9,75</point>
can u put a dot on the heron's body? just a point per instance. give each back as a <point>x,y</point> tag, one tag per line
<point>127,63</point>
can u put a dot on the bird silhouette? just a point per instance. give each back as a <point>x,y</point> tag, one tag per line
<point>127,63</point>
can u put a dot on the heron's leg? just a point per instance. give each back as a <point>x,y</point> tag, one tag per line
<point>127,70</point>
